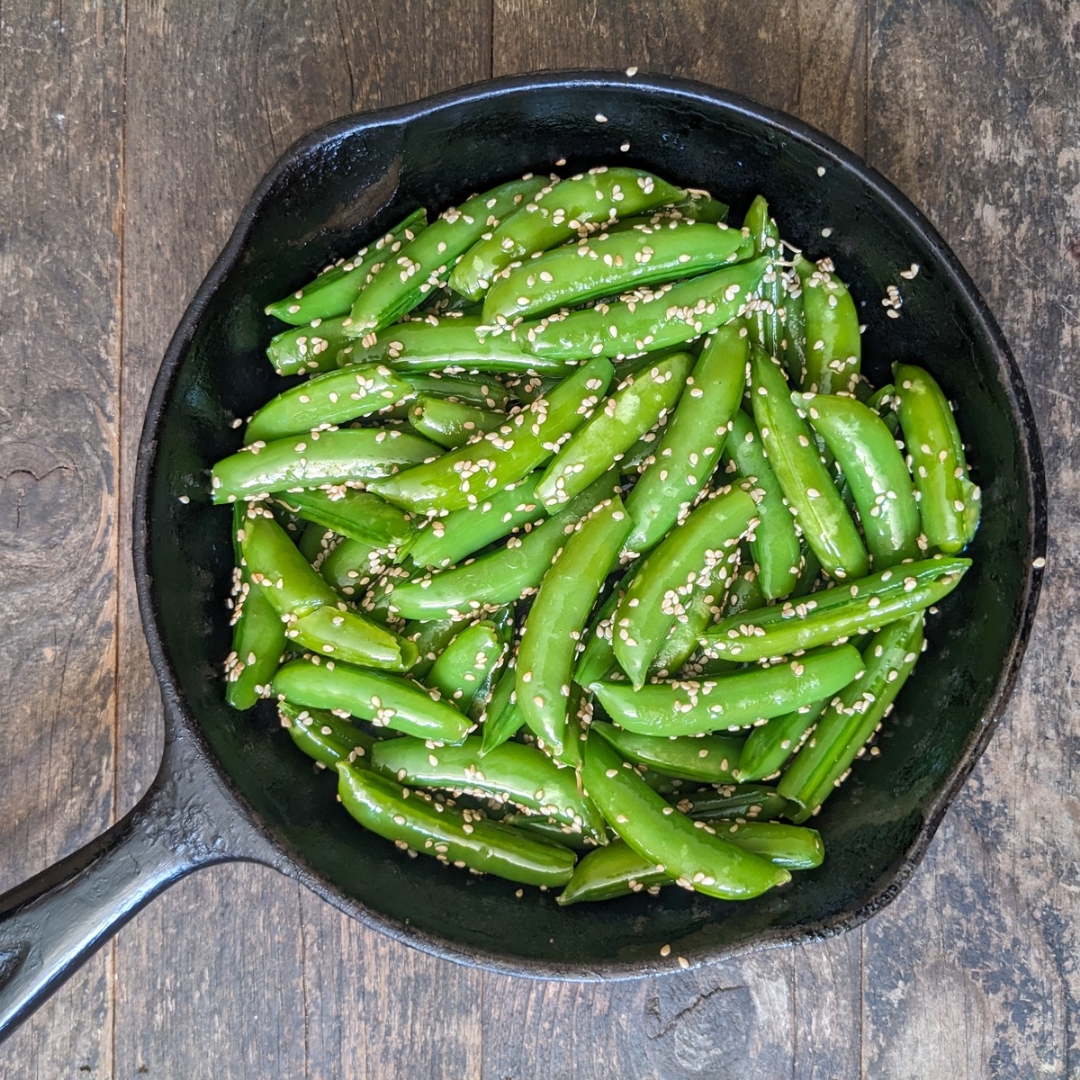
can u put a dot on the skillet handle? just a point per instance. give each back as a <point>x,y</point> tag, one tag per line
<point>52,923</point>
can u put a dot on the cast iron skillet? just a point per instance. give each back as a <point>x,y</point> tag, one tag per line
<point>232,786</point>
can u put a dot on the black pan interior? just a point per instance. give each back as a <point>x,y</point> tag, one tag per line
<point>348,183</point>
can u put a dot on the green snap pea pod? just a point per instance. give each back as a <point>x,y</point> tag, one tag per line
<point>613,428</point>
<point>624,872</point>
<point>430,638</point>
<point>385,700</point>
<point>697,552</point>
<point>770,745</point>
<point>700,609</point>
<point>793,319</point>
<point>452,423</point>
<point>450,539</point>
<point>307,349</point>
<point>502,719</point>
<point>315,541</point>
<point>501,576</point>
<point>505,623</point>
<point>752,802</point>
<point>464,477</point>
<point>836,613</point>
<point>334,290</point>
<point>847,724</point>
<point>447,344</point>
<point>550,829</point>
<point>459,672</point>
<point>324,736</point>
<point>884,402</point>
<point>949,503</point>
<point>612,263</point>
<point>700,206</point>
<point>424,264</point>
<point>558,616</point>
<point>513,773</point>
<point>597,657</point>
<point>775,544</point>
<point>693,707</point>
<point>803,478</point>
<point>358,515</point>
<point>671,842</point>
<point>833,341</point>
<point>642,454</point>
<point>691,442</point>
<point>880,484</point>
<point>452,836</point>
<point>258,638</point>
<point>555,215</point>
<point>809,572</point>
<point>326,400</point>
<point>766,236</point>
<point>336,632</point>
<point>744,594</point>
<point>466,388</point>
<point>321,457</point>
<point>351,565</point>
<point>712,759</point>
<point>645,320</point>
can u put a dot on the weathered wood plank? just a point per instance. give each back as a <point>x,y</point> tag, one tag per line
<point>331,999</point>
<point>61,98</point>
<point>973,972</point>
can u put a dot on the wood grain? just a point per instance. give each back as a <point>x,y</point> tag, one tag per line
<point>131,138</point>
<point>60,106</point>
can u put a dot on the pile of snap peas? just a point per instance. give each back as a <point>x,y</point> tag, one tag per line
<point>582,550</point>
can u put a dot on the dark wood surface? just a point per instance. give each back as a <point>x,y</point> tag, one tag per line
<point>130,136</point>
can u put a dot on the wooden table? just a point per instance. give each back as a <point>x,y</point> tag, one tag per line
<point>130,136</point>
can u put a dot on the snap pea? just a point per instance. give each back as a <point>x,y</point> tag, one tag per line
<point>410,819</point>
<point>449,344</point>
<point>635,406</point>
<point>846,725</point>
<point>833,340</point>
<point>351,565</point>
<point>767,318</point>
<point>450,539</point>
<point>738,700</point>
<point>620,871</point>
<point>645,320</point>
<point>452,423</point>
<point>831,614</point>
<point>258,637</point>
<point>307,349</point>
<point>424,263</point>
<point>793,345</point>
<point>346,635</point>
<point>775,544</point>
<point>949,503</point>
<point>880,484</point>
<point>803,478</point>
<point>608,263</point>
<point>734,802</point>
<point>459,672</point>
<point>358,515</point>
<point>508,573</point>
<point>467,388</point>
<point>597,658</point>
<point>430,639</point>
<point>321,457</point>
<point>691,442</point>
<point>315,541</point>
<point>502,719</point>
<point>512,773</point>
<point>770,745</point>
<point>558,616</point>
<point>385,700</point>
<point>695,856</point>
<point>699,551</point>
<point>555,215</point>
<point>335,289</point>
<point>326,400</point>
<point>464,477</point>
<point>699,610</point>
<point>322,735</point>
<point>550,829</point>
<point>711,759</point>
